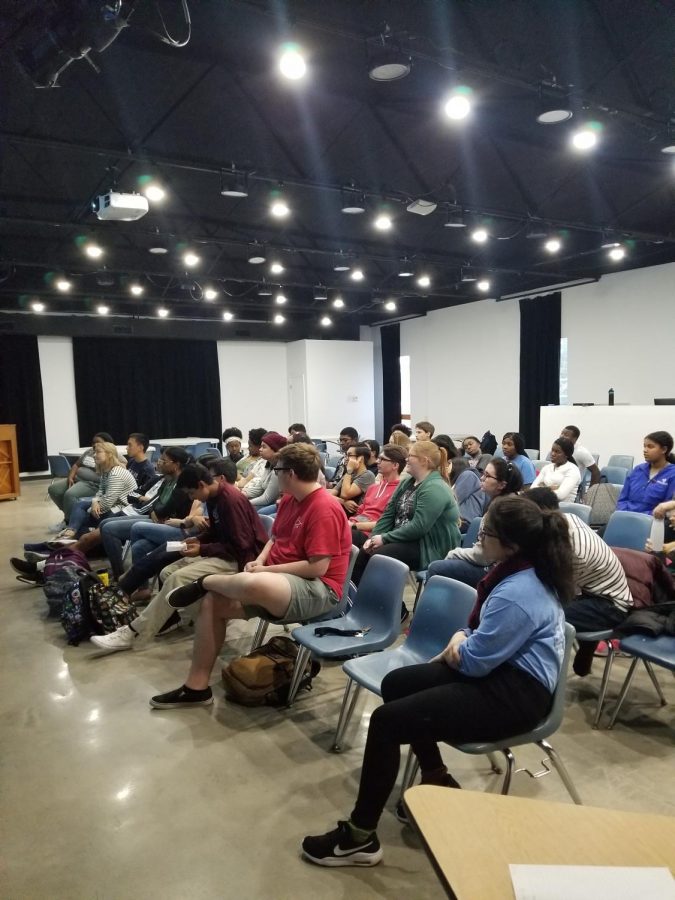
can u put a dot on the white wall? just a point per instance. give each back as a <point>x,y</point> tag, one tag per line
<point>464,367</point>
<point>58,392</point>
<point>253,385</point>
<point>375,335</point>
<point>620,335</point>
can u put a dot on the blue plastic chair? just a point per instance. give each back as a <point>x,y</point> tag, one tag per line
<point>329,471</point>
<point>470,536</point>
<point>334,459</point>
<point>267,521</point>
<point>613,474</point>
<point>444,608</point>
<point>377,607</point>
<point>624,462</point>
<point>201,448</point>
<point>577,509</point>
<point>657,650</point>
<point>533,454</point>
<point>59,467</point>
<point>548,726</point>
<point>628,529</point>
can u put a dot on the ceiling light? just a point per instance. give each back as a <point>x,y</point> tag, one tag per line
<point>279,209</point>
<point>154,192</point>
<point>292,63</point>
<point>479,235</point>
<point>586,137</point>
<point>136,289</point>
<point>357,274</point>
<point>338,303</point>
<point>669,148</point>
<point>553,108</point>
<point>37,306</point>
<point>387,62</point>
<point>93,250</point>
<point>467,276</point>
<point>617,253</point>
<point>228,316</point>
<point>405,270</point>
<point>63,285</point>
<point>280,299</point>
<point>233,183</point>
<point>279,319</point>
<point>264,290</point>
<point>191,259</point>
<point>340,263</point>
<point>276,268</point>
<point>326,320</point>
<point>390,306</point>
<point>162,312</point>
<point>256,254</point>
<point>159,251</point>
<point>210,294</point>
<point>383,222</point>
<point>483,285</point>
<point>353,202</point>
<point>424,281</point>
<point>103,310</point>
<point>553,245</point>
<point>320,293</point>
<point>454,219</point>
<point>458,104</point>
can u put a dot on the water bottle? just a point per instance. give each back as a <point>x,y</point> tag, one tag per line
<point>610,398</point>
<point>656,535</point>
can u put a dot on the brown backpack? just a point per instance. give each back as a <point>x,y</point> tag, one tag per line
<point>263,677</point>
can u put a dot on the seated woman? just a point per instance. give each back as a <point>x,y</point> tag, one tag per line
<point>495,679</point>
<point>390,463</point>
<point>472,451</point>
<point>513,448</point>
<point>447,443</point>
<point>400,439</point>
<point>469,564</point>
<point>467,486</point>
<point>82,481</point>
<point>111,497</point>
<point>562,474</point>
<point>421,521</point>
<point>650,485</point>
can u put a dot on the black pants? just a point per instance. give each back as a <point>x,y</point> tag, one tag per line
<point>147,567</point>
<point>432,702</point>
<point>408,552</point>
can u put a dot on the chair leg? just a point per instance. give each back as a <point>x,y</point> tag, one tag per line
<point>420,586</point>
<point>494,763</point>
<point>301,661</point>
<point>260,633</point>
<point>624,691</point>
<point>346,712</point>
<point>604,683</point>
<point>655,681</point>
<point>561,770</point>
<point>508,775</point>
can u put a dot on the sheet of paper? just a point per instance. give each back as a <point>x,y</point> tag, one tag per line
<point>591,883</point>
<point>175,546</point>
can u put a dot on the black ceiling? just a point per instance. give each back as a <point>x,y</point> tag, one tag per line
<point>183,114</point>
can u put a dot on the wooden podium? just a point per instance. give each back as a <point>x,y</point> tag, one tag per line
<point>10,488</point>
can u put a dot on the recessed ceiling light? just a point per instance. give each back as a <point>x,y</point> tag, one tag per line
<point>154,192</point>
<point>669,148</point>
<point>37,306</point>
<point>616,254</point>
<point>479,235</point>
<point>390,306</point>
<point>586,137</point>
<point>276,268</point>
<point>228,316</point>
<point>326,320</point>
<point>162,312</point>
<point>339,303</point>
<point>279,319</point>
<point>357,275</point>
<point>483,285</point>
<point>63,285</point>
<point>278,207</point>
<point>424,281</point>
<point>292,64</point>
<point>383,222</point>
<point>102,309</point>
<point>159,251</point>
<point>93,250</point>
<point>191,259</point>
<point>136,289</point>
<point>210,294</point>
<point>553,245</point>
<point>280,299</point>
<point>458,104</point>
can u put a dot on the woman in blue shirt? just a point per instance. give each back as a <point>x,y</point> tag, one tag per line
<point>495,679</point>
<point>652,483</point>
<point>513,448</point>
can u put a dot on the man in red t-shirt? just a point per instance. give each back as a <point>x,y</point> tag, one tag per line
<point>299,574</point>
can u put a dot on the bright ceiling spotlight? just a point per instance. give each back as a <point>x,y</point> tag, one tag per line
<point>339,303</point>
<point>479,235</point>
<point>162,312</point>
<point>326,320</point>
<point>37,306</point>
<point>191,259</point>
<point>390,306</point>
<point>454,219</point>
<point>154,192</point>
<point>553,245</point>
<point>383,222</point>
<point>233,183</point>
<point>136,289</point>
<point>279,209</point>
<point>93,250</point>
<point>280,299</point>
<point>102,309</point>
<point>210,294</point>
<point>276,268</point>
<point>357,274</point>
<point>586,137</point>
<point>405,270</point>
<point>292,64</point>
<point>483,285</point>
<point>616,254</point>
<point>63,285</point>
<point>279,319</point>
<point>228,316</point>
<point>458,104</point>
<point>424,281</point>
<point>353,202</point>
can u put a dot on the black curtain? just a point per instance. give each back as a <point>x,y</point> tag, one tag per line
<point>391,377</point>
<point>539,361</point>
<point>21,401</point>
<point>163,388</point>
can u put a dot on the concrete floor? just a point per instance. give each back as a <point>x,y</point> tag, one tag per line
<point>104,798</point>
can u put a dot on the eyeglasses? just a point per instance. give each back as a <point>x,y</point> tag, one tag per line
<point>485,475</point>
<point>384,459</point>
<point>485,532</point>
<point>278,469</point>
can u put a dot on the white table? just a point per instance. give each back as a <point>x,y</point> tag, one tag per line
<point>75,452</point>
<point>185,441</point>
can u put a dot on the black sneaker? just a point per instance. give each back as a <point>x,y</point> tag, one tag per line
<point>182,697</point>
<point>171,624</point>
<point>338,848</point>
<point>23,566</point>
<point>187,594</point>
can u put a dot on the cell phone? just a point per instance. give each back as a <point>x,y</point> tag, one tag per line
<point>176,546</point>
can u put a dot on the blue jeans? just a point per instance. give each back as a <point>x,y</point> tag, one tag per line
<point>114,533</point>
<point>459,569</point>
<point>81,519</point>
<point>270,510</point>
<point>147,536</point>
<point>593,614</point>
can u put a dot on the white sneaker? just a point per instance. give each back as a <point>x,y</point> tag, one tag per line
<point>59,526</point>
<point>122,639</point>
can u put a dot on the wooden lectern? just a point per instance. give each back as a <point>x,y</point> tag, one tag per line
<point>10,487</point>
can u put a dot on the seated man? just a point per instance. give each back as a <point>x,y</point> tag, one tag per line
<point>234,538</point>
<point>424,431</point>
<point>348,437</point>
<point>137,462</point>
<point>299,574</point>
<point>246,465</point>
<point>582,457</point>
<point>391,461</point>
<point>232,449</point>
<point>351,488</point>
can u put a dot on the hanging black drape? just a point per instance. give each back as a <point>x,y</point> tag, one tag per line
<point>391,377</point>
<point>539,361</point>
<point>21,399</point>
<point>162,388</point>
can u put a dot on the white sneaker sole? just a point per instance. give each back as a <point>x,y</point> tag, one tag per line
<point>98,642</point>
<point>358,859</point>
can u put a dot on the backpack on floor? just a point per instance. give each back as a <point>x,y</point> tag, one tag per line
<point>109,608</point>
<point>63,568</point>
<point>75,613</point>
<point>263,677</point>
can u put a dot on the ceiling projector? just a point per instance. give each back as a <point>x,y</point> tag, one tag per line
<point>115,207</point>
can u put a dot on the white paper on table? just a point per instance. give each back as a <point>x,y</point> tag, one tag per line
<point>591,882</point>
<point>175,546</point>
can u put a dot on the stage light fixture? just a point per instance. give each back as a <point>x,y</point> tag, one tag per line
<point>162,312</point>
<point>292,64</point>
<point>339,303</point>
<point>191,259</point>
<point>483,285</point>
<point>279,319</point>
<point>424,281</point>
<point>326,321</point>
<point>405,270</point>
<point>320,292</point>
<point>233,183</point>
<point>586,137</point>
<point>458,105</point>
<point>37,306</point>
<point>276,268</point>
<point>63,285</point>
<point>93,250</point>
<point>256,254</point>
<point>616,254</point>
<point>357,274</point>
<point>479,235</point>
<point>454,219</point>
<point>390,306</point>
<point>553,245</point>
<point>353,202</point>
<point>210,294</point>
<point>102,309</point>
<point>136,289</point>
<point>280,299</point>
<point>228,316</point>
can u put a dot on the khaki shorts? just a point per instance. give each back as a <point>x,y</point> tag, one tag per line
<point>310,597</point>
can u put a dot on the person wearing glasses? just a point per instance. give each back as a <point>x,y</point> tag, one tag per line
<point>513,448</point>
<point>495,678</point>
<point>468,564</point>
<point>391,461</point>
<point>299,574</point>
<point>351,488</point>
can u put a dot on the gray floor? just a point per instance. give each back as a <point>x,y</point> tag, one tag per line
<point>104,798</point>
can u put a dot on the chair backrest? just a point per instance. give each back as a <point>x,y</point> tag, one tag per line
<point>329,471</point>
<point>470,537</point>
<point>628,529</point>
<point>613,474</point>
<point>578,509</point>
<point>334,459</point>
<point>624,462</point>
<point>554,719</point>
<point>201,448</point>
<point>156,453</point>
<point>377,604</point>
<point>533,454</point>
<point>443,608</point>
<point>539,464</point>
<point>267,521</point>
<point>596,457</point>
<point>347,596</point>
<point>59,467</point>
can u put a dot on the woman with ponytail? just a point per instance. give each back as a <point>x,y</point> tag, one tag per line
<point>421,521</point>
<point>495,679</point>
<point>650,486</point>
